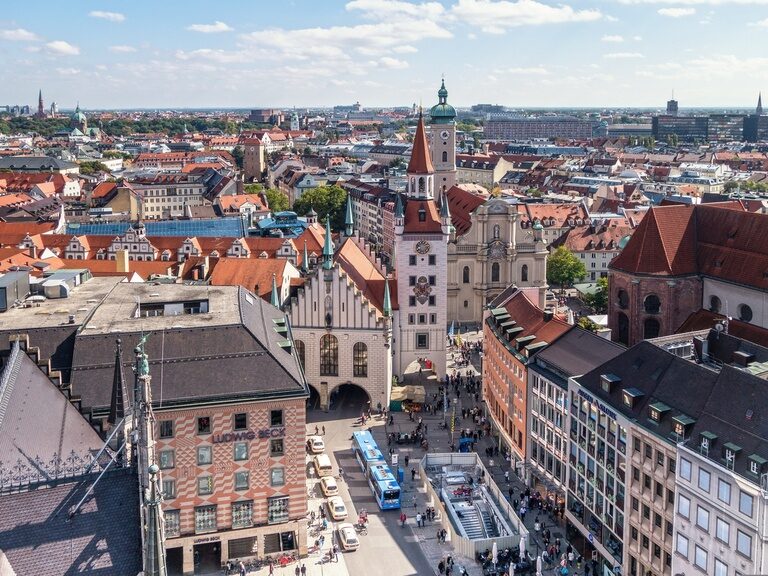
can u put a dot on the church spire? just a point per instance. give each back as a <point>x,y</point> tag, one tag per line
<point>759,109</point>
<point>387,306</point>
<point>399,209</point>
<point>117,404</point>
<point>328,246</point>
<point>154,558</point>
<point>421,162</point>
<point>275,299</point>
<point>349,220</point>
<point>305,259</point>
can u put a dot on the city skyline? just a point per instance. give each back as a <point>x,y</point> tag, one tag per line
<point>525,53</point>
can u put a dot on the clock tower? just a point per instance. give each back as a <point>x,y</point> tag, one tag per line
<point>422,229</point>
<point>443,132</point>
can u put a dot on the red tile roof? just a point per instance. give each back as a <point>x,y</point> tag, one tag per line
<point>530,318</point>
<point>103,189</point>
<point>461,204</point>
<point>430,225</point>
<point>365,274</point>
<point>704,320</point>
<point>420,162</point>
<point>252,274</point>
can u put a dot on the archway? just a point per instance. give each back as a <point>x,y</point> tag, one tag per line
<point>350,398</point>
<point>313,402</point>
<point>623,329</point>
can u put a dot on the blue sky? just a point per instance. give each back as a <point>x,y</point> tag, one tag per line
<point>252,53</point>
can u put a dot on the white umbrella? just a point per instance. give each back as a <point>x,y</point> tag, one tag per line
<point>538,566</point>
<point>522,547</point>
<point>495,554</point>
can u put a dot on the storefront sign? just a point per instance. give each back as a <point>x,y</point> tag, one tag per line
<point>603,408</point>
<point>206,539</point>
<point>248,435</point>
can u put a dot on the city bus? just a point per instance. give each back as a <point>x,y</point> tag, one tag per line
<point>365,449</point>
<point>385,488</point>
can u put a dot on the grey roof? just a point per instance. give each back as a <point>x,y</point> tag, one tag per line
<point>579,351</point>
<point>233,352</point>
<point>35,163</point>
<point>39,427</point>
<point>102,539</point>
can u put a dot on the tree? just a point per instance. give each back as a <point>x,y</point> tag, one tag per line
<point>587,324</point>
<point>278,202</point>
<point>599,300</point>
<point>730,186</point>
<point>325,200</point>
<point>307,151</point>
<point>237,154</point>
<point>91,167</point>
<point>563,268</point>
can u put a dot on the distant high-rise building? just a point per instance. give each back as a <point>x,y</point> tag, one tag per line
<point>672,107</point>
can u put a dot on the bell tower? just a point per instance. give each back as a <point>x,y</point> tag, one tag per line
<point>443,132</point>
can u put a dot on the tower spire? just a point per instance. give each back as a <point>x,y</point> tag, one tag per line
<point>275,298</point>
<point>420,162</point>
<point>759,109</point>
<point>305,259</point>
<point>117,404</point>
<point>349,220</point>
<point>328,246</point>
<point>387,305</point>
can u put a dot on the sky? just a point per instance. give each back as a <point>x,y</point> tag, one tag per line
<point>263,53</point>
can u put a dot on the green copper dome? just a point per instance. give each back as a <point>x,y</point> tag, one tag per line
<point>78,116</point>
<point>442,112</point>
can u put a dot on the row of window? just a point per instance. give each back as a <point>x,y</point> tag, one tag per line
<point>722,527</point>
<point>431,301</point>
<point>241,482</point>
<point>431,259</point>
<point>329,356</point>
<point>422,318</point>
<point>167,458</point>
<point>242,515</point>
<point>495,271</point>
<point>700,557</point>
<point>704,481</point>
<point>239,422</point>
<point>744,310</point>
<point>645,542</point>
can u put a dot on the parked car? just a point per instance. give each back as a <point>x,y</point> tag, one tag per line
<point>348,537</point>
<point>315,445</point>
<point>336,508</point>
<point>328,486</point>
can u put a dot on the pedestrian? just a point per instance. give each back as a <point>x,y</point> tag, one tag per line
<point>537,525</point>
<point>439,534</point>
<point>303,570</point>
<point>570,558</point>
<point>403,518</point>
<point>297,570</point>
<point>271,569</point>
<point>316,431</point>
<point>413,474</point>
<point>243,571</point>
<point>406,460</point>
<point>506,476</point>
<point>323,435</point>
<point>449,561</point>
<point>418,519</point>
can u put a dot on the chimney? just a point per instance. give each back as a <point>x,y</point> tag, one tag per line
<point>121,259</point>
<point>33,251</point>
<point>744,359</point>
<point>548,314</point>
<point>205,265</point>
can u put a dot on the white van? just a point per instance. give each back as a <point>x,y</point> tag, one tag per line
<point>322,465</point>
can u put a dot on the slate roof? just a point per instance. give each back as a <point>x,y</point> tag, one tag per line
<point>579,351</point>
<point>37,163</point>
<point>102,539</point>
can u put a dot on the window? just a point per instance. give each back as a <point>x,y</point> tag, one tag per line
<point>411,280</point>
<point>445,156</point>
<point>412,300</point>
<point>635,504</point>
<point>660,457</point>
<point>524,273</point>
<point>205,518</point>
<point>277,476</point>
<point>412,260</point>
<point>204,425</point>
<point>681,546</point>
<point>277,509</point>
<point>465,275</point>
<point>241,480</point>
<point>633,533</point>
<point>205,485</point>
<point>704,478</point>
<point>723,530</point>
<point>169,488</point>
<point>204,455</point>
<point>685,469</point>
<point>495,272</point>
<point>166,428</point>
<point>744,543</point>
<point>720,568</point>
<point>646,482</point>
<point>433,318</point>
<point>623,299</point>
<point>172,522</point>
<point>652,304</point>
<point>329,355</point>
<point>165,459</point>
<point>715,304</point>
<point>651,328</point>
<point>275,418</point>
<point>684,506</point>
<point>723,491</point>
<point>432,280</point>
<point>636,441</point>
<point>700,558</point>
<point>242,514</point>
<point>422,341</point>
<point>648,451</point>
<point>276,447</point>
<point>360,359</point>
<point>657,550</point>
<point>635,473</point>
<point>300,351</point>
<point>432,300</point>
<point>644,541</point>
<point>745,503</point>
<point>432,259</point>
<point>745,313</point>
<point>646,512</point>
<point>241,421</point>
<point>702,518</point>
<point>241,451</point>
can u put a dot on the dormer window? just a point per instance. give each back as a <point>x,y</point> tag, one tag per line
<point>706,441</point>
<point>422,215</point>
<point>608,381</point>
<point>682,424</point>
<point>657,410</point>
<point>630,396</point>
<point>756,464</point>
<point>730,452</point>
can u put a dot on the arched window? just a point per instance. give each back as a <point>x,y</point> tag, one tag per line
<point>623,299</point>
<point>495,272</point>
<point>445,156</point>
<point>329,355</point>
<point>652,304</point>
<point>496,231</point>
<point>524,273</point>
<point>623,328</point>
<point>465,275</point>
<point>466,303</point>
<point>360,359</point>
<point>745,313</point>
<point>421,186</point>
<point>300,351</point>
<point>651,328</point>
<point>715,304</point>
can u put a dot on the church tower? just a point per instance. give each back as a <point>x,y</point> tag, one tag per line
<point>421,260</point>
<point>443,132</point>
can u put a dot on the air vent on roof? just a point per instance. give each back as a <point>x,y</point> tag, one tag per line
<point>741,358</point>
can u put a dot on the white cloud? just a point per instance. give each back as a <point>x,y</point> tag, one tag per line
<point>531,71</point>
<point>677,12</point>
<point>122,48</point>
<point>637,38</point>
<point>62,47</point>
<point>392,63</point>
<point>219,56</point>
<point>495,17</point>
<point>612,38</point>
<point>103,15</point>
<point>214,28</point>
<point>18,35</point>
<point>622,55</point>
<point>68,71</point>
<point>760,23</point>
<point>405,49</point>
<point>698,2</point>
<point>383,9</point>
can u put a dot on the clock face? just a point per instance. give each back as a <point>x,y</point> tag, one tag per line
<point>423,247</point>
<point>444,134</point>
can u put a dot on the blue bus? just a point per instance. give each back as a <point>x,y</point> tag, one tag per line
<point>366,451</point>
<point>385,488</point>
